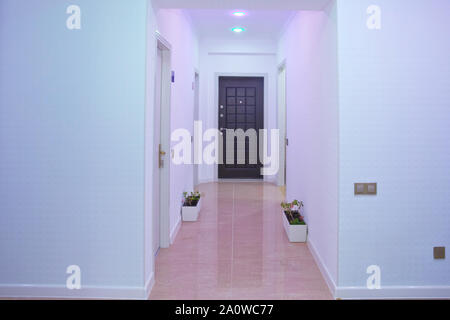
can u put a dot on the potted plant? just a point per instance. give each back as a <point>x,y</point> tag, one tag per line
<point>293,221</point>
<point>192,204</point>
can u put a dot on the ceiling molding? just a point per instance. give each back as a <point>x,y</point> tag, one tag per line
<point>243,4</point>
<point>242,54</point>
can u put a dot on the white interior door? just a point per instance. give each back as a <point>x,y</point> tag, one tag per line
<point>196,118</point>
<point>282,124</point>
<point>156,169</point>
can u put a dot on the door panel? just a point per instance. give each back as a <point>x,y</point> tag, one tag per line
<point>196,118</point>
<point>157,143</point>
<point>241,106</point>
<point>282,125</point>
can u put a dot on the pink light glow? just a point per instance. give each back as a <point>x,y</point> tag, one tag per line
<point>239,14</point>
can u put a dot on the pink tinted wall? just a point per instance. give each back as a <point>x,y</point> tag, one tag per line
<point>174,25</point>
<point>309,47</point>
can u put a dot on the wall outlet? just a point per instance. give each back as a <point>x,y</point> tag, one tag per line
<point>439,252</point>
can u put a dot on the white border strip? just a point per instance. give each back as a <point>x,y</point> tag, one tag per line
<point>174,231</point>
<point>241,54</point>
<point>389,292</point>
<point>87,292</point>
<point>149,285</point>
<point>19,291</point>
<point>323,269</point>
<point>394,292</point>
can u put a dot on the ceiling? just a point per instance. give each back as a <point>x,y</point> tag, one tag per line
<point>261,24</point>
<point>243,4</point>
<point>265,19</point>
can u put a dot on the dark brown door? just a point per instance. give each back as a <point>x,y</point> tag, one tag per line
<point>241,106</point>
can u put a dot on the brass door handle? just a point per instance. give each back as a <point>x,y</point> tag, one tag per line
<point>160,159</point>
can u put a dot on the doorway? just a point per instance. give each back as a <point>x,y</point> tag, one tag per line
<point>241,106</point>
<point>196,118</point>
<point>282,123</point>
<point>161,167</point>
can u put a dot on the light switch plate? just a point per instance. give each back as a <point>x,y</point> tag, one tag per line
<point>439,252</point>
<point>366,189</point>
<point>359,188</point>
<point>371,188</point>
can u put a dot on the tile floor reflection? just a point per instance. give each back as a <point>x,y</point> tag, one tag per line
<point>237,250</point>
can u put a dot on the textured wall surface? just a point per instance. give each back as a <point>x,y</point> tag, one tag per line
<point>309,49</point>
<point>72,108</point>
<point>174,25</point>
<point>394,130</point>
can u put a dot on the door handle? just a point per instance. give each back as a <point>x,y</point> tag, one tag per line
<point>160,157</point>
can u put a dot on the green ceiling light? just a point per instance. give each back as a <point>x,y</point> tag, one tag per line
<point>238,29</point>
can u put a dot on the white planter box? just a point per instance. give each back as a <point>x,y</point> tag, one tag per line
<point>191,213</point>
<point>295,233</point>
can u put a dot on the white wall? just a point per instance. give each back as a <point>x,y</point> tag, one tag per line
<point>149,261</point>
<point>174,25</point>
<point>309,48</point>
<point>218,56</point>
<point>394,120</point>
<point>72,107</point>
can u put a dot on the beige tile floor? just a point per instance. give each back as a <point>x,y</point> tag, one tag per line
<point>237,250</point>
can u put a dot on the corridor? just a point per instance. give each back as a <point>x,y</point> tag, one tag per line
<point>237,250</point>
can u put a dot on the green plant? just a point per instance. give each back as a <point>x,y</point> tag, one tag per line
<point>293,212</point>
<point>191,199</point>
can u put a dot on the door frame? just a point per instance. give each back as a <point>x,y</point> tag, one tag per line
<point>217,75</point>
<point>196,167</point>
<point>282,124</point>
<point>164,183</point>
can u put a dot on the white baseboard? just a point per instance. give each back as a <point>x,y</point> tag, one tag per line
<point>202,181</point>
<point>174,231</point>
<point>86,292</point>
<point>394,292</point>
<point>323,269</point>
<point>271,179</point>
<point>388,292</point>
<point>268,179</point>
<point>241,180</point>
<point>149,285</point>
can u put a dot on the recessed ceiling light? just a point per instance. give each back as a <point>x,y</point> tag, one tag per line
<point>238,29</point>
<point>239,14</point>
